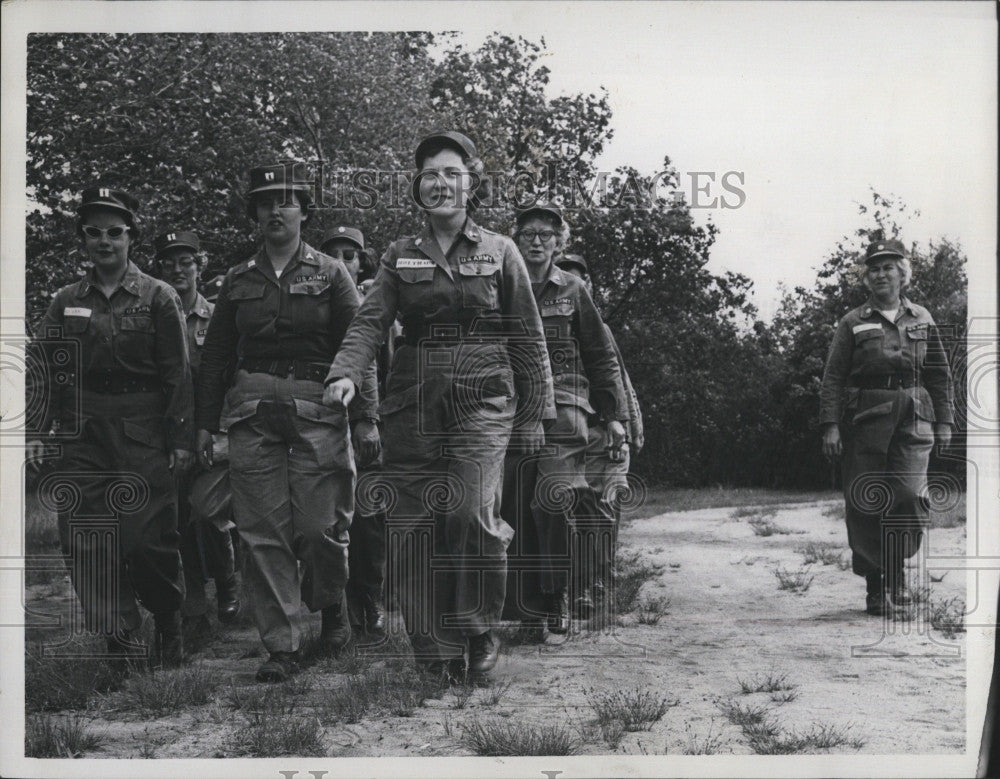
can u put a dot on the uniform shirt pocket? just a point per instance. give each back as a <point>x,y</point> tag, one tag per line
<point>415,284</point>
<point>310,305</point>
<point>479,282</point>
<point>249,299</point>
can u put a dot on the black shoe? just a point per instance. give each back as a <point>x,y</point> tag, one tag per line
<point>558,616</point>
<point>278,667</point>
<point>484,650</point>
<point>169,638</point>
<point>374,616</point>
<point>227,595</point>
<point>336,629</point>
<point>875,604</point>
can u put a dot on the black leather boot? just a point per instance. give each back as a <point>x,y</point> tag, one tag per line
<point>227,595</point>
<point>875,597</point>
<point>336,629</point>
<point>374,616</point>
<point>169,638</point>
<point>484,650</point>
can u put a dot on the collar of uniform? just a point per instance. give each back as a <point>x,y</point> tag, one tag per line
<point>129,282</point>
<point>305,253</point>
<point>870,307</point>
<point>200,307</point>
<point>469,230</point>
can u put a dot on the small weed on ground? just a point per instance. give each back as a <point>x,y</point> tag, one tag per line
<point>765,736</point>
<point>785,696</point>
<point>744,715</point>
<point>161,692</point>
<point>653,609</point>
<point>50,735</point>
<point>770,682</point>
<point>495,737</point>
<point>496,692</point>
<point>818,552</point>
<point>948,616</point>
<point>51,683</point>
<point>273,735</point>
<point>795,581</point>
<point>397,692</point>
<point>708,744</point>
<point>636,709</point>
<point>631,572</point>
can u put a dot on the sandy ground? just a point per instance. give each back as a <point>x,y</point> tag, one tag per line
<point>896,687</point>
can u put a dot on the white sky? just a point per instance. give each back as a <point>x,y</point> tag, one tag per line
<point>813,102</point>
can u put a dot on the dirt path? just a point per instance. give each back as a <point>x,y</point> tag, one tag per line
<point>727,622</point>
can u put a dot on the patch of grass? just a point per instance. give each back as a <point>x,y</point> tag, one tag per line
<point>162,692</point>
<point>496,692</point>
<point>796,581</point>
<point>948,616</point>
<point>765,527</point>
<point>653,609</point>
<point>770,682</point>
<point>52,684</point>
<point>742,512</point>
<point>50,735</point>
<point>636,709</point>
<point>271,698</point>
<point>632,570</point>
<point>274,735</point>
<point>708,744</point>
<point>495,737</point>
<point>397,692</point>
<point>785,696</point>
<point>744,715</point>
<point>774,740</point>
<point>463,695</point>
<point>820,552</point>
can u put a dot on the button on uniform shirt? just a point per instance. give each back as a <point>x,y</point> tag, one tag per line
<point>300,316</point>
<point>581,351</point>
<point>867,344</point>
<point>136,334</point>
<point>482,282</point>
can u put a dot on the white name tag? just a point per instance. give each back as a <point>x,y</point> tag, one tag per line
<point>414,262</point>
<point>870,326</point>
<point>77,312</point>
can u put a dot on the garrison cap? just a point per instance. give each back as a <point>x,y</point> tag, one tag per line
<point>540,208</point>
<point>352,234</point>
<point>885,248</point>
<point>113,199</point>
<point>573,261</point>
<point>453,138</point>
<point>182,239</point>
<point>279,177</point>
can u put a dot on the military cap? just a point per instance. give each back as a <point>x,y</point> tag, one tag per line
<point>113,199</point>
<point>540,208</point>
<point>573,260</point>
<point>462,143</point>
<point>885,248</point>
<point>279,177</point>
<point>352,234</point>
<point>210,288</point>
<point>182,239</point>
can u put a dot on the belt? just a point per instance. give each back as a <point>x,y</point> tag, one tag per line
<point>886,381</point>
<point>117,383</point>
<point>462,332</point>
<point>300,369</point>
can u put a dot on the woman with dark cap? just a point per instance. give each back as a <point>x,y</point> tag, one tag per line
<point>547,496</point>
<point>886,396</point>
<point>206,550</point>
<point>133,425</point>
<point>471,371</point>
<point>279,319</point>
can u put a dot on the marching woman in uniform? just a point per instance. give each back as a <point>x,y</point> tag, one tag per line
<point>547,497</point>
<point>471,370</point>
<point>278,321</point>
<point>886,396</point>
<point>134,417</point>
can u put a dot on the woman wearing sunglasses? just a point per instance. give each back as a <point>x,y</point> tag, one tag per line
<point>471,370</point>
<point>279,319</point>
<point>126,421</point>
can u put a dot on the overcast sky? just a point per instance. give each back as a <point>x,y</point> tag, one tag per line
<point>812,102</point>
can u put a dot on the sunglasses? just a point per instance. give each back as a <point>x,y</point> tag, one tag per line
<point>530,235</point>
<point>347,255</point>
<point>112,232</point>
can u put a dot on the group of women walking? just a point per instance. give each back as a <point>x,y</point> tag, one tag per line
<point>474,385</point>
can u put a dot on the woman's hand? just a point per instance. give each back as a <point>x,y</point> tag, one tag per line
<point>832,446</point>
<point>338,394</point>
<point>616,441</point>
<point>366,442</point>
<point>530,441</point>
<point>203,449</point>
<point>181,460</point>
<point>942,434</point>
<point>34,452</point>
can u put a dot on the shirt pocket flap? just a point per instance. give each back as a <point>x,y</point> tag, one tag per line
<point>74,325</point>
<point>246,291</point>
<point>415,275</point>
<point>556,309</point>
<point>860,336</point>
<point>317,412</point>
<point>878,410</point>
<point>567,397</point>
<point>308,288</point>
<point>399,400</point>
<point>148,432</point>
<point>917,332</point>
<point>478,268</point>
<point>140,323</point>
